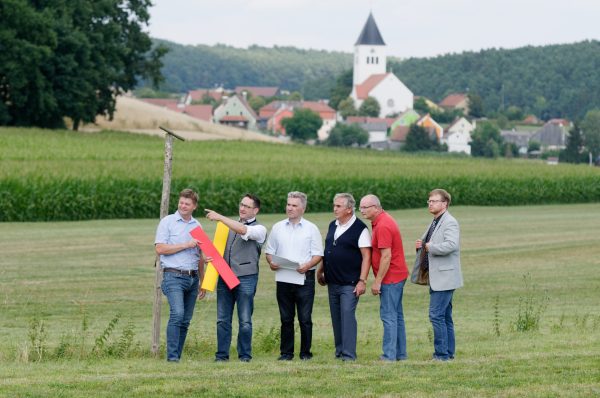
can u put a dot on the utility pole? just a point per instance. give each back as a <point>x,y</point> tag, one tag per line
<point>164,210</point>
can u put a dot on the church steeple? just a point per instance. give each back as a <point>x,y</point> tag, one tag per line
<point>369,52</point>
<point>370,34</point>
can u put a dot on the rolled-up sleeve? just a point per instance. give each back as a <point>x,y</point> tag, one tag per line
<point>256,233</point>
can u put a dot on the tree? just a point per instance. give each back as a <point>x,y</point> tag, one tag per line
<point>420,105</point>
<point>418,139</point>
<point>256,103</point>
<point>475,105</point>
<point>341,90</point>
<point>347,135</point>
<point>346,108</point>
<point>303,125</point>
<point>574,152</point>
<point>486,140</point>
<point>77,57</point>
<point>369,107</point>
<point>590,126</point>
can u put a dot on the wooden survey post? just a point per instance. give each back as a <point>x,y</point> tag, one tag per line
<point>164,210</point>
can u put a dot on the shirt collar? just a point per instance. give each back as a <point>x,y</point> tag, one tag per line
<point>347,223</point>
<point>250,221</point>
<point>178,217</point>
<point>288,222</point>
<point>378,218</point>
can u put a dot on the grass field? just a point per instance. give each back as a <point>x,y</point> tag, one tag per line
<point>62,175</point>
<point>62,283</point>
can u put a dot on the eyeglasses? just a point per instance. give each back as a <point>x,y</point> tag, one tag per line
<point>245,206</point>
<point>433,201</point>
<point>365,207</point>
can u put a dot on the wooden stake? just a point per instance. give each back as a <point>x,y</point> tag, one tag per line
<point>164,210</point>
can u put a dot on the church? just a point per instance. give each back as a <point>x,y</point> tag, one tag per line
<point>371,79</point>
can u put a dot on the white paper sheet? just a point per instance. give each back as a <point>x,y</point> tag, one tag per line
<point>289,276</point>
<point>284,262</point>
<point>287,271</point>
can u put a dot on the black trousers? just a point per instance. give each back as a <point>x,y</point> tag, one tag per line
<point>289,298</point>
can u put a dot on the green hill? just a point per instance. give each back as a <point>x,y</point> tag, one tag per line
<point>549,81</point>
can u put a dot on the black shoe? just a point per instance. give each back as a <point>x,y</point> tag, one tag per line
<point>221,360</point>
<point>305,357</point>
<point>245,359</point>
<point>284,358</point>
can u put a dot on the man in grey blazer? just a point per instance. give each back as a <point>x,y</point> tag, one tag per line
<point>438,255</point>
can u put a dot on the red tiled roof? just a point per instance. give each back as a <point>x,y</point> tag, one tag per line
<point>363,89</point>
<point>202,112</point>
<point>324,110</point>
<point>258,91</point>
<point>175,108</point>
<point>453,100</point>
<point>198,95</point>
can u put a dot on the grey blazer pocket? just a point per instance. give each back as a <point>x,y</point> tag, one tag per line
<point>446,267</point>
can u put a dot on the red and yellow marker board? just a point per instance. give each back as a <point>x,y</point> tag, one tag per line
<point>218,261</point>
<point>219,241</point>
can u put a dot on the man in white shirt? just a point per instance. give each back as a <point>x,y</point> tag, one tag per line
<point>242,253</point>
<point>297,240</point>
<point>344,270</point>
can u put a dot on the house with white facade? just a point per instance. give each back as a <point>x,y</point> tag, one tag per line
<point>370,76</point>
<point>458,136</point>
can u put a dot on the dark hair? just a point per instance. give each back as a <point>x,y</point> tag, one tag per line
<point>189,194</point>
<point>254,198</point>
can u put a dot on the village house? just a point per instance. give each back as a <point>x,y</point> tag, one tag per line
<point>276,111</point>
<point>377,128</point>
<point>553,135</point>
<point>458,136</point>
<point>235,112</point>
<point>456,101</point>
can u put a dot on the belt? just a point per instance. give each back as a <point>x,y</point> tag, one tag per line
<point>181,272</point>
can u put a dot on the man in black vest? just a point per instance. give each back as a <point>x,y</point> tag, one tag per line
<point>242,253</point>
<point>344,270</point>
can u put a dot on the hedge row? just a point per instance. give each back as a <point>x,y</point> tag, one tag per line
<point>78,199</point>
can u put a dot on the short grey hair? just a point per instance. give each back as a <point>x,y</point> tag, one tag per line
<point>298,195</point>
<point>350,202</point>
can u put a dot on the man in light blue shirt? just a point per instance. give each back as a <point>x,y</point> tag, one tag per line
<point>300,241</point>
<point>181,262</point>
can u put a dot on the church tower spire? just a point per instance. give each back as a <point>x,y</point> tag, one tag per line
<point>369,52</point>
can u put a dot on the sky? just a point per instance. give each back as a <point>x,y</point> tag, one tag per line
<point>410,28</point>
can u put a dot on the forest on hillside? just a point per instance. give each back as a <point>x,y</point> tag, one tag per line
<point>312,72</point>
<point>548,81</point>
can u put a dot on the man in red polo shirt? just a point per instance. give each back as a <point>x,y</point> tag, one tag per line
<point>390,272</point>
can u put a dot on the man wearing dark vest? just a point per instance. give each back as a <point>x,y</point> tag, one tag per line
<point>344,270</point>
<point>242,253</point>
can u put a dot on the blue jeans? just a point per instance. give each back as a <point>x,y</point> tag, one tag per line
<point>440,315</point>
<point>342,305</point>
<point>290,296</point>
<point>392,316</point>
<point>243,294</point>
<point>182,292</point>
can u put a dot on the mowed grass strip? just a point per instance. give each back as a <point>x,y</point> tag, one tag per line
<point>62,175</point>
<point>55,272</point>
